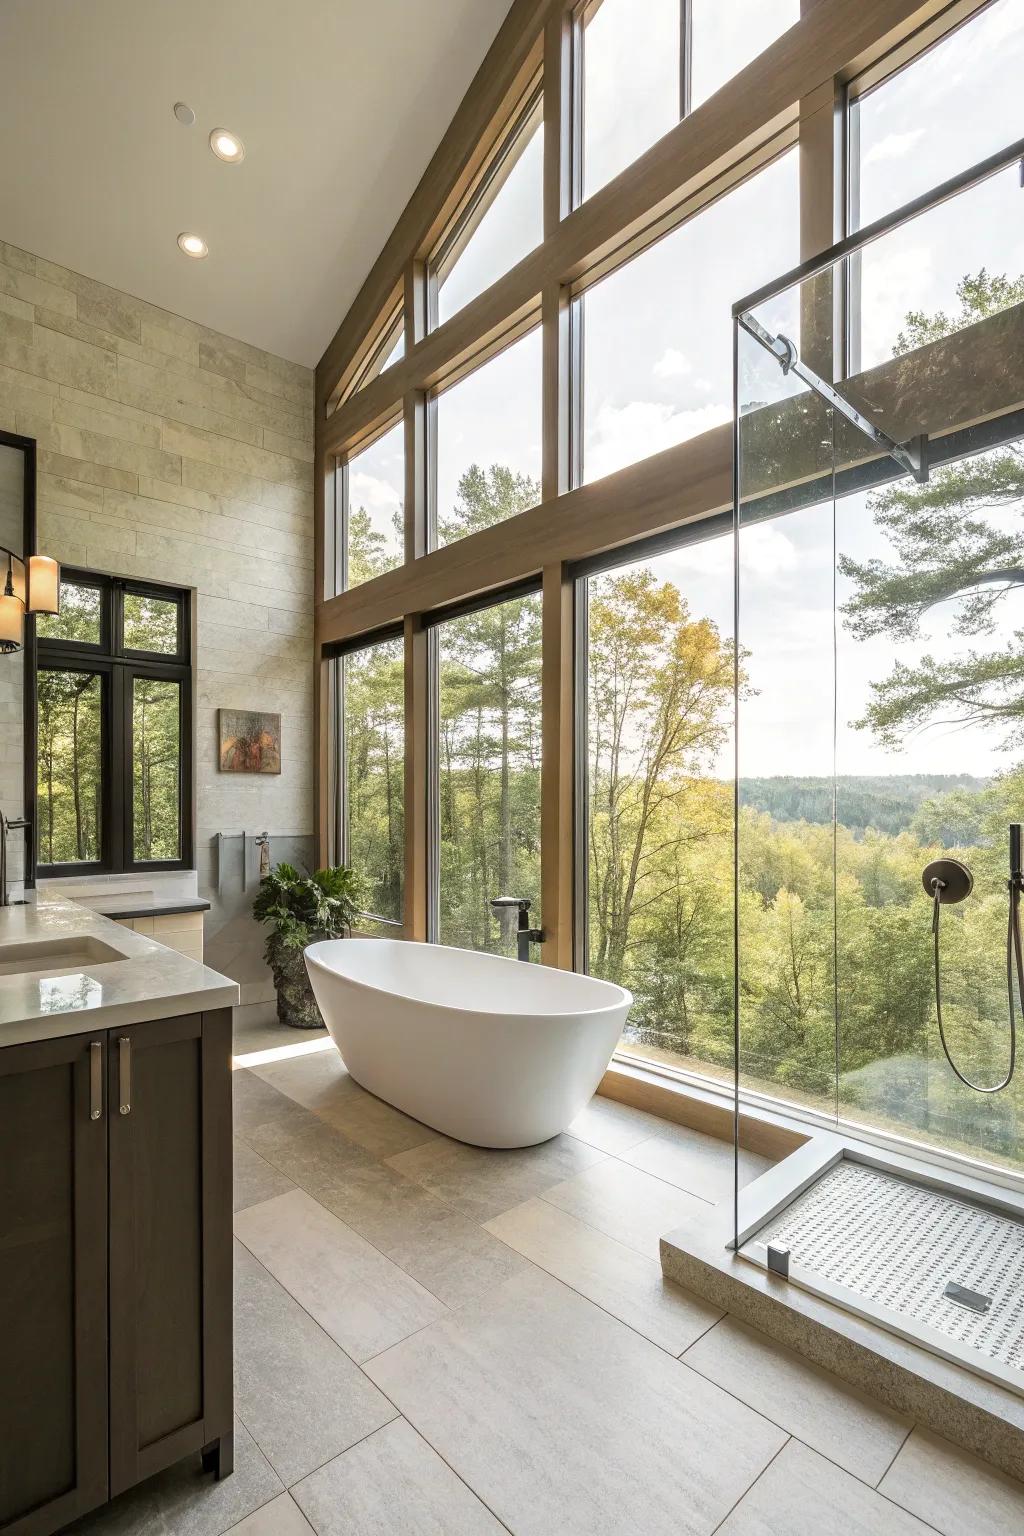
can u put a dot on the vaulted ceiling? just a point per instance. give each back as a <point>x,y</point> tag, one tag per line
<point>340,105</point>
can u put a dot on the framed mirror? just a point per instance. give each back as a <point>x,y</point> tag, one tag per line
<point>17,724</point>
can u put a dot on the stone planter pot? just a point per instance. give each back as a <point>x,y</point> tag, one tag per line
<point>296,1005</point>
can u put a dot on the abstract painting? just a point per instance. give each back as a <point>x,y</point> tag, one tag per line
<point>250,741</point>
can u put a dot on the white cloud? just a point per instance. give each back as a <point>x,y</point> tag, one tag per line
<point>371,492</point>
<point>671,364</point>
<point>624,434</point>
<point>767,551</point>
<point>894,146</point>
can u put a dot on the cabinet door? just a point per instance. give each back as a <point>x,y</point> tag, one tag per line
<point>170,1229</point>
<point>53,1283</point>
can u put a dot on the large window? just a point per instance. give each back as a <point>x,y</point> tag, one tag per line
<point>487,432</point>
<point>373,787</point>
<point>113,728</point>
<point>503,221</point>
<point>385,349</point>
<point>657,335</point>
<point>373,496</point>
<point>646,63</point>
<point>964,260</point>
<point>655,834</point>
<point>943,112</point>
<point>487,740</point>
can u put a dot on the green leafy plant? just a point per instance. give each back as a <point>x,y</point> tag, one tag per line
<point>301,908</point>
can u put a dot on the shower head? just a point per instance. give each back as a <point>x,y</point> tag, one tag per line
<point>947,880</point>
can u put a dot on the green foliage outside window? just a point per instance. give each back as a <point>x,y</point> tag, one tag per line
<point>69,766</point>
<point>375,772</point>
<point>156,766</point>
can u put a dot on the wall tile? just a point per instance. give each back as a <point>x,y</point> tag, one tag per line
<point>167,451</point>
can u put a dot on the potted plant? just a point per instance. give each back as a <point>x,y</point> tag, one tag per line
<point>300,909</point>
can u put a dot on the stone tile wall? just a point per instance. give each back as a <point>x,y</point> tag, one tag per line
<point>170,452</point>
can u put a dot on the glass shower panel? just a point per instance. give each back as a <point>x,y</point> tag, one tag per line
<point>880,716</point>
<point>929,765</point>
<point>785,741</point>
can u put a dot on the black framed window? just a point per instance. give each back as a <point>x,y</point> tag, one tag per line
<point>113,728</point>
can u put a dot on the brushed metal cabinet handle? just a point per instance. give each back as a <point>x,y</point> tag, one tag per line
<point>95,1079</point>
<point>124,1074</point>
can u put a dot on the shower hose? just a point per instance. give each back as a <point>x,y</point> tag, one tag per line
<point>1014,966</point>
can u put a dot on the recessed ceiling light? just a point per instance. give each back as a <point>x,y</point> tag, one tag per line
<point>227,146</point>
<point>193,245</point>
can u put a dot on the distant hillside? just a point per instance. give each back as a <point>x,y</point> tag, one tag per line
<point>886,802</point>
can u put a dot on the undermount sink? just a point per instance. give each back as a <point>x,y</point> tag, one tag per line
<point>50,957</point>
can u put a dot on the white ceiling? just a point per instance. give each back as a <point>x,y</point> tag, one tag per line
<point>340,104</point>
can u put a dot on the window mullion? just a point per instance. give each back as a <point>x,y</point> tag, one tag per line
<point>121,767</point>
<point>685,57</point>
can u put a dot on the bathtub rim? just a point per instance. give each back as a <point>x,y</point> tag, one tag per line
<point>624,999</point>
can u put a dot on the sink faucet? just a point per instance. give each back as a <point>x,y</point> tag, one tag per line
<point>525,935</point>
<point>8,824</point>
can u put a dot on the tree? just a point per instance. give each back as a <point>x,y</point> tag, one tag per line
<point>375,772</point>
<point>944,543</point>
<point>489,734</point>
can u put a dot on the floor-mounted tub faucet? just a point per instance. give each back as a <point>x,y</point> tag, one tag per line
<point>525,935</point>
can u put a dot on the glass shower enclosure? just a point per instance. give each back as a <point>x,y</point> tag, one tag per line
<point>879,581</point>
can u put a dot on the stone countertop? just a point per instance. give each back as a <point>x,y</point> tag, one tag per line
<point>139,904</point>
<point>149,981</point>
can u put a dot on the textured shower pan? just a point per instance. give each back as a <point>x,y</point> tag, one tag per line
<point>939,1268</point>
<point>903,1276</point>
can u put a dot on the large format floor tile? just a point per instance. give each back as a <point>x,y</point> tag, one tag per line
<point>281,1517</point>
<point>447,1252</point>
<point>358,1296</point>
<point>563,1420</point>
<point>482,1182</point>
<point>316,1156</point>
<point>260,1109</point>
<point>321,1082</point>
<point>270,1035</point>
<point>625,1283</point>
<point>613,1127</point>
<point>255,1178</point>
<point>392,1484</point>
<point>633,1207</point>
<point>451,1255</point>
<point>845,1425</point>
<point>300,1395</point>
<point>186,1501</point>
<point>700,1164</point>
<point>802,1494</point>
<point>954,1491</point>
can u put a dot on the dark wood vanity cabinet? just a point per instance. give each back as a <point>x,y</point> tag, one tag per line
<point>115,1263</point>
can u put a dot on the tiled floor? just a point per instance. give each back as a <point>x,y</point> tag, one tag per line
<point>431,1338</point>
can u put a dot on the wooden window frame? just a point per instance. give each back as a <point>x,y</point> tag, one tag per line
<point>509,150</point>
<point>795,90</point>
<point>433,623</point>
<point>339,849</point>
<point>338,541</point>
<point>118,666</point>
<point>368,362</point>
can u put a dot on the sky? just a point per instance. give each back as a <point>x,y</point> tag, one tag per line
<point>658,334</point>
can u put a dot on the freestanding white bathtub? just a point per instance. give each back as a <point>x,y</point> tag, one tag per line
<point>488,1050</point>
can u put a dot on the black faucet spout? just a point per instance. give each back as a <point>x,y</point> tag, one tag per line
<point>525,935</point>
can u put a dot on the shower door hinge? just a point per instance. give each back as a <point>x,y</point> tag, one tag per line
<point>911,456</point>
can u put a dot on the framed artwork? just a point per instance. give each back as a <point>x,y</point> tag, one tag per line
<point>249,741</point>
